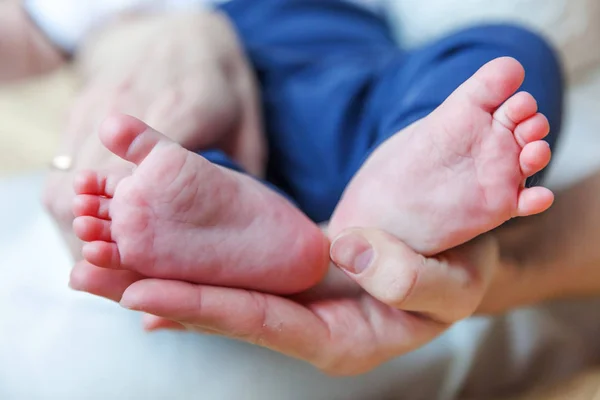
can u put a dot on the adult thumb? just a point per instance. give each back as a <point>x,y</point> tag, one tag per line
<point>447,287</point>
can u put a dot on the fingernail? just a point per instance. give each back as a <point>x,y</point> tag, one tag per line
<point>129,301</point>
<point>352,252</point>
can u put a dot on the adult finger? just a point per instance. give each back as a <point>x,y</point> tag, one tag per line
<point>253,317</point>
<point>316,332</point>
<point>447,288</point>
<point>102,282</point>
<point>111,284</point>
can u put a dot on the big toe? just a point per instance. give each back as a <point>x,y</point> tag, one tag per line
<point>130,138</point>
<point>492,84</point>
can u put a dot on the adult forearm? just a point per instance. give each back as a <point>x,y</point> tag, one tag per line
<point>551,256</point>
<point>24,50</point>
<point>568,246</point>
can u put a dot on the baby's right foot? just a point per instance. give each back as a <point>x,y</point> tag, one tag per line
<point>458,172</point>
<point>181,217</point>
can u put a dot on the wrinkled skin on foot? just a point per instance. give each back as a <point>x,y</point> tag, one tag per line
<point>458,172</point>
<point>178,216</point>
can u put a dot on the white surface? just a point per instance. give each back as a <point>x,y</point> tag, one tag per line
<point>573,26</point>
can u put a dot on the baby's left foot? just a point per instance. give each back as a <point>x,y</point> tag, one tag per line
<point>457,173</point>
<point>178,216</point>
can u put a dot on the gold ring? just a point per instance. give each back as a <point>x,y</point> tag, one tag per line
<point>62,163</point>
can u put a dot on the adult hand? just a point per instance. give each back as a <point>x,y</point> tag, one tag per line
<point>340,327</point>
<point>185,75</point>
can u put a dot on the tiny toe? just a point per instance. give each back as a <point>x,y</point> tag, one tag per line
<point>92,206</point>
<point>95,183</point>
<point>516,109</point>
<point>102,254</point>
<point>535,128</point>
<point>534,201</point>
<point>129,138</point>
<point>534,157</point>
<point>87,182</point>
<point>90,229</point>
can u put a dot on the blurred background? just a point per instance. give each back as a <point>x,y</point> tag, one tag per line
<point>44,325</point>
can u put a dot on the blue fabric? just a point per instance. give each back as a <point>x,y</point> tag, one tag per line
<point>335,85</point>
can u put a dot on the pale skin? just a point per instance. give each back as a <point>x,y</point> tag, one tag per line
<point>149,228</point>
<point>458,172</point>
<point>179,217</point>
<point>553,256</point>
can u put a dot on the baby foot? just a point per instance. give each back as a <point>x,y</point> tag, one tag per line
<point>458,172</point>
<point>178,216</point>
